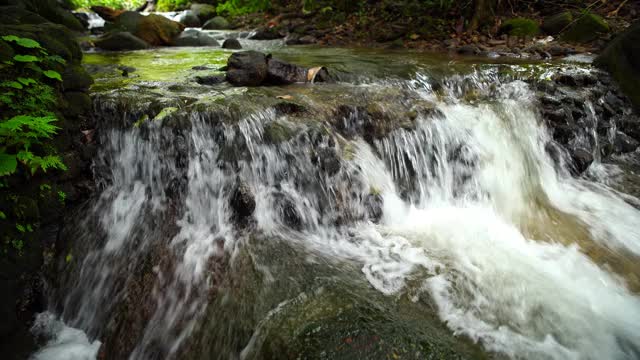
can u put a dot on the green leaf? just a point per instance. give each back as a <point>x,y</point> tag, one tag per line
<point>24,42</point>
<point>26,58</point>
<point>57,59</point>
<point>2,215</point>
<point>52,74</point>
<point>26,81</point>
<point>11,84</point>
<point>8,164</point>
<point>20,228</point>
<point>34,67</point>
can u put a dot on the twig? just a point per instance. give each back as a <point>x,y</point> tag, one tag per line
<point>615,12</point>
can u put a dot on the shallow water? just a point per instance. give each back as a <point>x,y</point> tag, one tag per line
<point>487,247</point>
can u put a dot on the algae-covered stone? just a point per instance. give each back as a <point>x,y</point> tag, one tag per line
<point>586,28</point>
<point>622,59</point>
<point>554,24</point>
<point>204,12</point>
<point>217,23</point>
<point>520,27</point>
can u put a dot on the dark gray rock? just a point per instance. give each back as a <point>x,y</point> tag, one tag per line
<point>267,34</point>
<point>210,79</point>
<point>247,68</point>
<point>242,202</point>
<point>217,23</point>
<point>121,41</point>
<point>231,44</point>
<point>189,19</point>
<point>195,38</point>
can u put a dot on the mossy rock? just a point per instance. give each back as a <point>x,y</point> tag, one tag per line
<point>277,132</point>
<point>554,24</point>
<point>76,78</point>
<point>520,27</point>
<point>78,103</point>
<point>622,59</point>
<point>586,28</point>
<point>204,12</point>
<point>57,39</point>
<point>217,23</point>
<point>153,29</point>
<point>121,41</point>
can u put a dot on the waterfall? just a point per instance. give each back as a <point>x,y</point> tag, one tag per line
<point>209,230</point>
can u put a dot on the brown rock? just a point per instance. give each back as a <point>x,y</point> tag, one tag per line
<point>107,13</point>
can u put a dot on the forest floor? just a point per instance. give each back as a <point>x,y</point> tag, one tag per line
<point>434,29</point>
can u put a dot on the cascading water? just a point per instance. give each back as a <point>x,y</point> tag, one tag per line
<point>328,234</point>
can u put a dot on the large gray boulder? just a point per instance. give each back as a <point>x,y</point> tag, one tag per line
<point>189,19</point>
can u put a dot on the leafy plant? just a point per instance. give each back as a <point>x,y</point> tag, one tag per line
<point>27,98</point>
<point>116,4</point>
<point>242,7</point>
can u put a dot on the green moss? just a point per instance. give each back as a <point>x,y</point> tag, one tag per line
<point>164,113</point>
<point>586,28</point>
<point>554,24</point>
<point>520,27</point>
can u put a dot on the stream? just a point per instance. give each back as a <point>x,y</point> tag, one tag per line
<point>411,209</point>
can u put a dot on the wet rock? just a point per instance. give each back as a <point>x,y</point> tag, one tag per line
<point>252,68</point>
<point>210,79</point>
<point>554,24</point>
<point>204,12</point>
<point>295,39</point>
<point>288,212</point>
<point>267,34</point>
<point>247,68</point>
<point>467,50</point>
<point>587,27</point>
<point>83,18</point>
<point>328,160</point>
<point>622,58</point>
<point>242,202</point>
<point>282,73</point>
<point>374,205</point>
<point>189,19</point>
<point>121,41</point>
<point>582,159</point>
<point>195,38</point>
<point>217,23</point>
<point>276,132</point>
<point>289,108</point>
<point>231,44</point>
<point>623,143</point>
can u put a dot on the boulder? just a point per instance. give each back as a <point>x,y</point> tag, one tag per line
<point>77,103</point>
<point>121,41</point>
<point>554,24</point>
<point>519,27</point>
<point>252,68</point>
<point>15,15</point>
<point>217,23</point>
<point>189,19</point>
<point>210,79</point>
<point>52,11</point>
<point>231,44</point>
<point>204,12</point>
<point>622,59</point>
<point>247,68</point>
<point>195,38</point>
<point>107,13</point>
<point>154,29</point>
<point>586,28</point>
<point>266,34</point>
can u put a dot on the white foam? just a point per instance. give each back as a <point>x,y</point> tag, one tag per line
<point>65,343</point>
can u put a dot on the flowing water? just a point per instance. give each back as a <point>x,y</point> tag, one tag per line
<point>443,230</point>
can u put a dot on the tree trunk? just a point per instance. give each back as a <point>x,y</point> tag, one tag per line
<point>483,11</point>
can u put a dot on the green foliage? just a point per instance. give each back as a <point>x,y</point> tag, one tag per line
<point>116,4</point>
<point>173,5</point>
<point>25,101</point>
<point>241,7</point>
